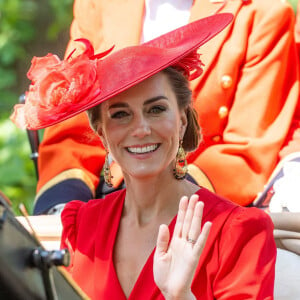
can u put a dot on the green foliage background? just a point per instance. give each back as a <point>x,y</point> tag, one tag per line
<point>27,28</point>
<point>294,4</point>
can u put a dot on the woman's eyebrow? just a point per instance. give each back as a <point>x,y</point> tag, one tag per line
<point>148,101</point>
<point>155,99</point>
<point>118,104</point>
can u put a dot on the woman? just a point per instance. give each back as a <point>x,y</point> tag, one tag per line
<point>139,104</point>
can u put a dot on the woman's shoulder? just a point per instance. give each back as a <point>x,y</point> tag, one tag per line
<point>253,219</point>
<point>80,217</point>
<point>215,204</point>
<point>75,210</point>
<point>223,211</point>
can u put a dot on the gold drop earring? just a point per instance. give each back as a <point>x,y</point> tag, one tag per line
<point>106,171</point>
<point>180,168</point>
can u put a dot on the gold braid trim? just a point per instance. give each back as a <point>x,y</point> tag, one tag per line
<point>200,177</point>
<point>68,174</point>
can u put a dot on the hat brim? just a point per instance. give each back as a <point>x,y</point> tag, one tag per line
<point>129,66</point>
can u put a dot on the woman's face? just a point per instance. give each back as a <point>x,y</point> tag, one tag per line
<point>142,127</point>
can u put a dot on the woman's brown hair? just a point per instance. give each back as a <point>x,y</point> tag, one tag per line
<point>180,86</point>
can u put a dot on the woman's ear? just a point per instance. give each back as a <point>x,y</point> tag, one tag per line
<point>183,121</point>
<point>102,136</point>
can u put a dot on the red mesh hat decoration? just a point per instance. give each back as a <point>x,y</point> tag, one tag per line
<point>62,89</point>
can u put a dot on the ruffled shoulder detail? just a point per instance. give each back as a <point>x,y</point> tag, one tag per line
<point>69,219</point>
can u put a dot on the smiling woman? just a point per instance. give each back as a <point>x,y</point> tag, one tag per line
<point>132,123</point>
<point>162,237</point>
<point>180,87</point>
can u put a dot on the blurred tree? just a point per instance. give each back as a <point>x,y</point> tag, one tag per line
<point>27,28</point>
<point>16,169</point>
<point>294,3</point>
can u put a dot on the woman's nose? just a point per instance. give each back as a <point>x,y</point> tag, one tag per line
<point>141,127</point>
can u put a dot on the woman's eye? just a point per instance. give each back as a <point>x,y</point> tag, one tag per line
<point>119,115</point>
<point>157,109</point>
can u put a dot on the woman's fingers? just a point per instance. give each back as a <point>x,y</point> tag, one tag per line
<point>201,241</point>
<point>162,239</point>
<point>175,262</point>
<point>197,236</point>
<point>188,223</point>
<point>183,204</point>
<point>195,227</point>
<point>189,216</point>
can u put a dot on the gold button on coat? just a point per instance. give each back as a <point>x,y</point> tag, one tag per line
<point>216,138</point>
<point>226,81</point>
<point>223,112</point>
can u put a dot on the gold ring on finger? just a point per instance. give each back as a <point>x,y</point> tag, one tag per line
<point>191,241</point>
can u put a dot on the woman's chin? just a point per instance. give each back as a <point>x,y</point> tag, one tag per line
<point>148,174</point>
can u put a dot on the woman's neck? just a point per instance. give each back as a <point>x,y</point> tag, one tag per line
<point>154,198</point>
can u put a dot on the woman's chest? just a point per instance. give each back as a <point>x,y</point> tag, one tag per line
<point>131,254</point>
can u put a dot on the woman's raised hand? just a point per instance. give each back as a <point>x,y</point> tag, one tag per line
<point>175,262</point>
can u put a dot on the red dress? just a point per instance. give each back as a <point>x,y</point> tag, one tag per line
<point>237,262</point>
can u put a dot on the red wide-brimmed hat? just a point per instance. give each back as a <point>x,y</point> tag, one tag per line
<point>62,89</point>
